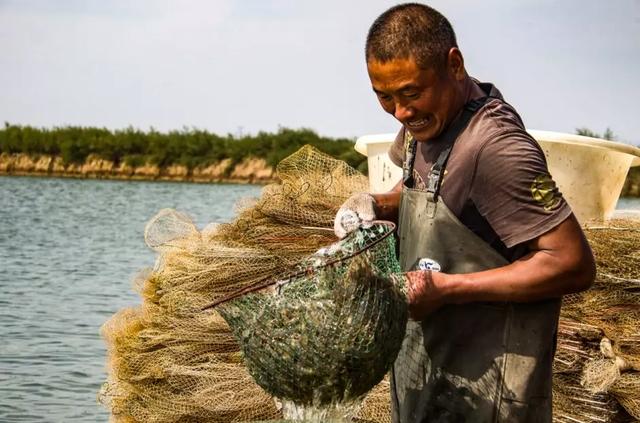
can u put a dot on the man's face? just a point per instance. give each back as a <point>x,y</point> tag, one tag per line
<point>423,100</point>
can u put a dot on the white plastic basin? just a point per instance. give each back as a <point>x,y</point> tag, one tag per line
<point>590,172</point>
<point>383,174</point>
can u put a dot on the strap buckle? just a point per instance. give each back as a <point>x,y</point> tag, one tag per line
<point>433,180</point>
<point>410,157</point>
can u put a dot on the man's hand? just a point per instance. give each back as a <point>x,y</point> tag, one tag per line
<point>423,293</point>
<point>358,210</point>
<point>362,209</point>
<point>560,262</point>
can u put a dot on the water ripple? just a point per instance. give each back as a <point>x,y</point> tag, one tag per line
<point>69,250</point>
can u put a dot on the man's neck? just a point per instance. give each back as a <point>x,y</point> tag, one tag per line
<point>467,91</point>
<point>471,90</point>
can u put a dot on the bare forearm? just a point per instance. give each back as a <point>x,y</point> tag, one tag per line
<point>388,203</point>
<point>530,279</point>
<point>546,272</point>
<point>560,263</point>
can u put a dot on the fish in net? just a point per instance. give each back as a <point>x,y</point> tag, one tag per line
<point>326,335</point>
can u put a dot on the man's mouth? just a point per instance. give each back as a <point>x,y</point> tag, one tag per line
<point>418,123</point>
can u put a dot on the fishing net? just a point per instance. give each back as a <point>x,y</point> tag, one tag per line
<point>170,361</point>
<point>597,362</point>
<point>161,373</point>
<point>572,403</point>
<point>327,334</point>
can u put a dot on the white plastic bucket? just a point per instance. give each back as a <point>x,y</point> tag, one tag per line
<point>590,172</point>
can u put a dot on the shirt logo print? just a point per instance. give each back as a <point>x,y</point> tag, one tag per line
<point>545,192</point>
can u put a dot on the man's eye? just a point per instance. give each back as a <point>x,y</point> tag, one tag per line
<point>384,97</point>
<point>412,95</point>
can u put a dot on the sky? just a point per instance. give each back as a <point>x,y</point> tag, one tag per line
<point>242,66</point>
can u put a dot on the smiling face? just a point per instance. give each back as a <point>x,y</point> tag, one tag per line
<point>425,101</point>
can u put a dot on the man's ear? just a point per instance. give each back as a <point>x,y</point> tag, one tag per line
<point>455,64</point>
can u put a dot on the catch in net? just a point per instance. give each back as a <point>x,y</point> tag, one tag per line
<point>325,335</point>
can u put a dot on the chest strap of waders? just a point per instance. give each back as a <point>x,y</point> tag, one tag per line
<point>434,179</point>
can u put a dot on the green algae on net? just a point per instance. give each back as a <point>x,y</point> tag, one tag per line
<point>329,333</point>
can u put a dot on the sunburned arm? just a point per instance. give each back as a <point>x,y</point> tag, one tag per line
<point>560,263</point>
<point>388,203</point>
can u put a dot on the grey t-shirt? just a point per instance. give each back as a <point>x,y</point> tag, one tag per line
<point>496,180</point>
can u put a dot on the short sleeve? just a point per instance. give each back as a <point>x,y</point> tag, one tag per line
<point>514,191</point>
<point>396,151</point>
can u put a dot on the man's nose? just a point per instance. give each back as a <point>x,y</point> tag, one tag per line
<point>402,112</point>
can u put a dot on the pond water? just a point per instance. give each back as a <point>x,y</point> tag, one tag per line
<point>69,250</point>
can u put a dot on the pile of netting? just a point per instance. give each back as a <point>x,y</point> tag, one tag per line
<point>173,359</point>
<point>597,362</point>
<point>168,361</point>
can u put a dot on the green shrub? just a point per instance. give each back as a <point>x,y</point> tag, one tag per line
<point>189,147</point>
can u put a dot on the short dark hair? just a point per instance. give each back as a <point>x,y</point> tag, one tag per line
<point>411,30</point>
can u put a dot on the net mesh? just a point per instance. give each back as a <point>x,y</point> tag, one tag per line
<point>597,362</point>
<point>167,360</point>
<point>329,333</point>
<point>170,362</point>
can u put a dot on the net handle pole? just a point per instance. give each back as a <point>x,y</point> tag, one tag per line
<point>269,281</point>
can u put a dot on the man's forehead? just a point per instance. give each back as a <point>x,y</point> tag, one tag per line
<point>394,74</point>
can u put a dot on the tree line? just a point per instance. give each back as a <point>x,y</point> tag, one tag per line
<point>189,147</point>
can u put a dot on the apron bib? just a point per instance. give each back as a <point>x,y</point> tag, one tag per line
<point>476,362</point>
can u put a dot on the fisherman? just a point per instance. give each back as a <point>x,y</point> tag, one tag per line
<point>488,243</point>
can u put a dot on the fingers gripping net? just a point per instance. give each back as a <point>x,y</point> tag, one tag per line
<point>329,333</point>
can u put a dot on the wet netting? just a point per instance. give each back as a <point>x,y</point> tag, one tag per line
<point>265,318</point>
<point>251,320</point>
<point>328,334</point>
<point>597,362</point>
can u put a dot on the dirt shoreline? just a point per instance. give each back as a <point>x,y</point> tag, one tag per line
<point>249,171</point>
